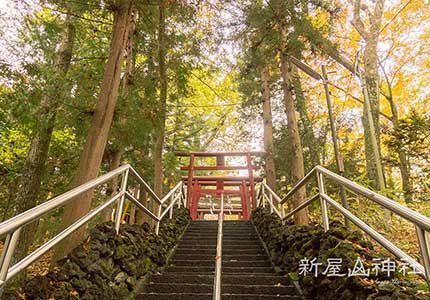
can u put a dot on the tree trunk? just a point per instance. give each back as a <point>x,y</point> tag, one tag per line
<point>161,113</point>
<point>297,166</point>
<point>116,156</point>
<point>309,140</point>
<point>31,178</point>
<point>268,129</point>
<point>404,166</point>
<point>115,162</point>
<point>141,217</point>
<point>92,155</point>
<point>371,78</point>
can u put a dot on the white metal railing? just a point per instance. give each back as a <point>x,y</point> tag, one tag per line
<point>13,226</point>
<point>422,223</point>
<point>218,257</point>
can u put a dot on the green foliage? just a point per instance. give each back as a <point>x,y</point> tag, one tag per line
<point>413,137</point>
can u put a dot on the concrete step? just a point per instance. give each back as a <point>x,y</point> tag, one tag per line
<point>255,279</point>
<point>258,289</point>
<point>236,242</point>
<point>182,278</point>
<point>174,296</point>
<point>239,279</point>
<point>225,238</point>
<point>194,251</point>
<point>246,270</point>
<point>257,297</point>
<point>203,225</point>
<point>196,245</point>
<point>246,263</point>
<point>237,222</point>
<point>225,241</point>
<point>192,269</point>
<point>238,227</point>
<point>250,235</point>
<point>163,288</point>
<point>191,263</point>
<point>202,234</point>
<point>224,257</point>
<point>238,251</point>
<point>241,246</point>
<point>245,257</point>
<point>225,263</point>
<point>193,296</point>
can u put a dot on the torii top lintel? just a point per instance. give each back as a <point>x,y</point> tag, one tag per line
<point>215,154</point>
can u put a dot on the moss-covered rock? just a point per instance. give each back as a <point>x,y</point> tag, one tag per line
<point>106,265</point>
<point>289,244</point>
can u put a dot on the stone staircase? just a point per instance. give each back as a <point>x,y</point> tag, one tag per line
<point>246,269</point>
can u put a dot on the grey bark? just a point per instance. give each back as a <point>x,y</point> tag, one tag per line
<point>371,77</point>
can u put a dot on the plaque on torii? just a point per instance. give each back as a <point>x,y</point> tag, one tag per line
<point>239,186</point>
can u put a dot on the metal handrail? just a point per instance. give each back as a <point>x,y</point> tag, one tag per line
<point>13,226</point>
<point>421,222</point>
<point>218,257</point>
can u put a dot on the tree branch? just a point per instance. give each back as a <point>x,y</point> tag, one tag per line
<point>357,99</point>
<point>357,22</point>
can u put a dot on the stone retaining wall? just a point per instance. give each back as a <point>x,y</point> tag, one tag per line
<point>108,266</point>
<point>289,244</point>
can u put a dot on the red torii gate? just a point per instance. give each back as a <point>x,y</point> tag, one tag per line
<point>197,186</point>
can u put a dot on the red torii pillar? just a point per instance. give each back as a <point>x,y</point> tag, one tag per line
<point>195,200</point>
<point>244,200</point>
<point>190,181</point>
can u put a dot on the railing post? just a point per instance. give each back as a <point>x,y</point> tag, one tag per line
<point>7,255</point>
<point>171,213</point>
<point>257,198</point>
<point>218,257</point>
<point>157,225</point>
<point>263,200</point>
<point>324,212</point>
<point>271,202</point>
<point>179,200</point>
<point>5,247</point>
<point>121,201</point>
<point>423,240</point>
<point>184,195</point>
<point>260,196</point>
<point>171,208</point>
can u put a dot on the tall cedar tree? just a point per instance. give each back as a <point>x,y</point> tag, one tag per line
<point>268,129</point>
<point>92,154</point>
